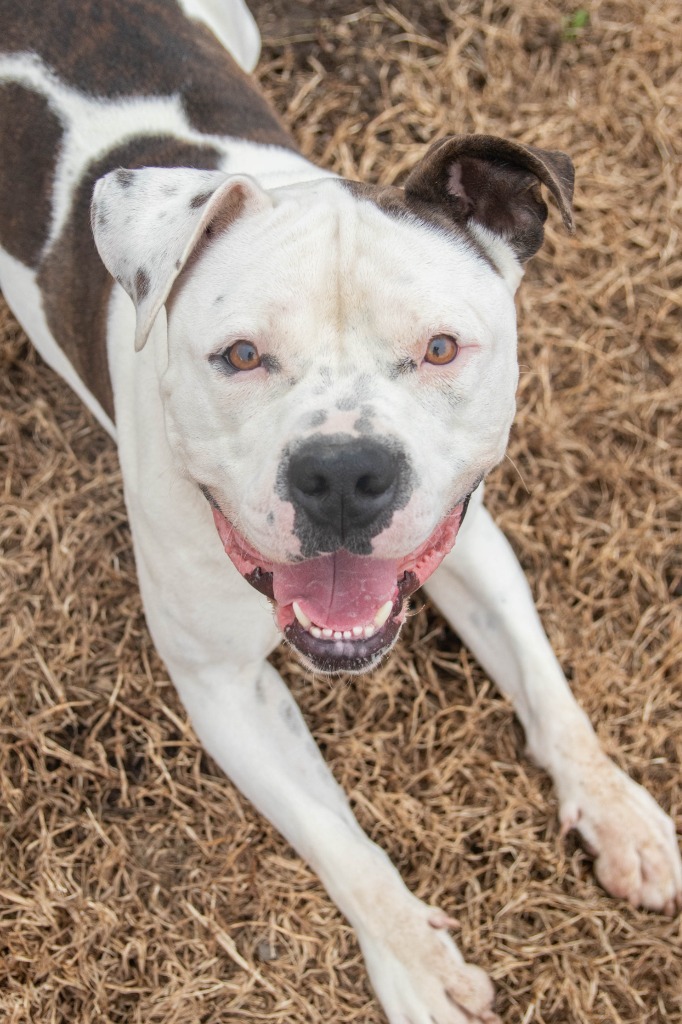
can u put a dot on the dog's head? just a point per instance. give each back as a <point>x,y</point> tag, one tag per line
<point>341,365</point>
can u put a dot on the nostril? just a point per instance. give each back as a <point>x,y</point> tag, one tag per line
<point>373,485</point>
<point>314,485</point>
<point>345,485</point>
<point>309,477</point>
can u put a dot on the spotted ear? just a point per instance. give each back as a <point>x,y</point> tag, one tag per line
<point>148,223</point>
<point>495,184</point>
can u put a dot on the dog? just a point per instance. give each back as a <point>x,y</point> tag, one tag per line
<point>312,376</point>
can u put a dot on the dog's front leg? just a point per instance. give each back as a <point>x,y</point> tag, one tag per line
<point>250,724</point>
<point>483,593</point>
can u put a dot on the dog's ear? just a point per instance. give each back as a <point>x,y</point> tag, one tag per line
<point>493,183</point>
<point>148,223</point>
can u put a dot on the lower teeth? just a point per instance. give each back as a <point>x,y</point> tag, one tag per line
<point>356,633</point>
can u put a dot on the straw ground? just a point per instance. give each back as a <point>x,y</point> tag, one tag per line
<point>136,885</point>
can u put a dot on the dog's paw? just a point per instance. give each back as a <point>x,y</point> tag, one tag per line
<point>633,841</point>
<point>418,973</point>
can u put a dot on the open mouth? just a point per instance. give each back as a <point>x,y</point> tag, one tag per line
<point>341,612</point>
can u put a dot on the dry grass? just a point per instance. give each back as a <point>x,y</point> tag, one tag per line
<point>135,884</point>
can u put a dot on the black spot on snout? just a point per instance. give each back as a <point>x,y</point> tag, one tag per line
<point>363,425</point>
<point>315,419</point>
<point>347,404</point>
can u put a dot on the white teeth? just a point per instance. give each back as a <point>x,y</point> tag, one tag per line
<point>383,614</point>
<point>356,633</point>
<point>301,616</point>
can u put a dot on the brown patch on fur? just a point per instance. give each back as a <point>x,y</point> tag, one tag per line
<point>134,49</point>
<point>497,184</point>
<point>32,135</point>
<point>74,281</point>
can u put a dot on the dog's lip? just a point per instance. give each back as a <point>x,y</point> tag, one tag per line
<point>346,654</point>
<point>343,653</point>
<point>334,651</point>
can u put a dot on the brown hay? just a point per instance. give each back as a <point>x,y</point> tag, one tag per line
<point>136,885</point>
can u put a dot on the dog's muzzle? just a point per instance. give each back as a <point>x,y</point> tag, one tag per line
<point>340,611</point>
<point>344,491</point>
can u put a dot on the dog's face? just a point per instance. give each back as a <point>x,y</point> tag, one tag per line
<point>341,374</point>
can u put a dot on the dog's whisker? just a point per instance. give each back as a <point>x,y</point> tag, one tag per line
<point>518,471</point>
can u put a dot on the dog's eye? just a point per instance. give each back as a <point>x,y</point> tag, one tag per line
<point>242,355</point>
<point>441,350</point>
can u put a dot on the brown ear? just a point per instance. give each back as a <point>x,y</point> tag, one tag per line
<point>496,184</point>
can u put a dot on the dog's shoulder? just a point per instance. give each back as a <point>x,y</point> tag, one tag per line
<point>86,88</point>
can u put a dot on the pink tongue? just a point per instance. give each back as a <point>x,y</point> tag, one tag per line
<point>339,590</point>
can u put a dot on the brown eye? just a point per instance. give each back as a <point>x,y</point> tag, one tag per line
<point>242,355</point>
<point>441,350</point>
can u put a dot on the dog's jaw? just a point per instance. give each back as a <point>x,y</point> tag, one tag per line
<point>358,628</point>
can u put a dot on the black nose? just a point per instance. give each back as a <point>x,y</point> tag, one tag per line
<point>345,486</point>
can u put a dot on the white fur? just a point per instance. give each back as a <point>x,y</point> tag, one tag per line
<point>322,282</point>
<point>232,23</point>
<point>376,290</point>
<point>501,255</point>
<point>23,296</point>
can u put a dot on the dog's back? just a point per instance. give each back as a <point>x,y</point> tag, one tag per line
<point>161,91</point>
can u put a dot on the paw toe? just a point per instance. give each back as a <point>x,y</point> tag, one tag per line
<point>634,842</point>
<point>473,995</point>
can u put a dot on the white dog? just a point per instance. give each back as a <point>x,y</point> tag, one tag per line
<point>324,372</point>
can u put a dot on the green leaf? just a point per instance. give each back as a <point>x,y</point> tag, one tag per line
<point>575,23</point>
